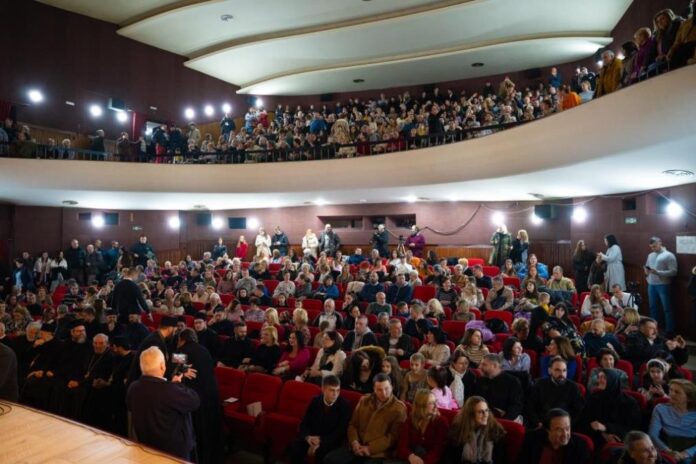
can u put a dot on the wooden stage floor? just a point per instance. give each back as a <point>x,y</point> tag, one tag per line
<point>29,436</point>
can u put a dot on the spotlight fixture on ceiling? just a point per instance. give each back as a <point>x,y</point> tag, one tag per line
<point>674,210</point>
<point>226,107</point>
<point>35,96</point>
<point>96,111</point>
<point>358,81</point>
<point>174,222</point>
<point>226,17</point>
<point>69,103</point>
<point>678,172</point>
<point>121,116</point>
<point>189,113</point>
<point>477,65</point>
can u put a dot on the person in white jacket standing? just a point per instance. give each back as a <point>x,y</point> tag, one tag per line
<point>263,244</point>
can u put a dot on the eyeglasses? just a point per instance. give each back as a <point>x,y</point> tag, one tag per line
<point>483,412</point>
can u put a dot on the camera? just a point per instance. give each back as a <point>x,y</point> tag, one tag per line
<point>401,240</point>
<point>636,298</point>
<point>180,366</point>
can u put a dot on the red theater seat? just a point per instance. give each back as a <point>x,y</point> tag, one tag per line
<point>491,271</point>
<point>270,285</point>
<point>353,397</point>
<point>476,261</point>
<point>280,426</point>
<point>230,382</point>
<point>505,316</point>
<point>424,292</point>
<point>514,438</point>
<point>512,282</point>
<point>454,329</point>
<point>257,387</point>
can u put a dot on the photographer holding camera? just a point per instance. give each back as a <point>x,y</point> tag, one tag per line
<point>380,241</point>
<point>161,410</point>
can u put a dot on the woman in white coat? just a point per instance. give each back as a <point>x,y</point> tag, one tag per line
<point>263,244</point>
<point>615,268</point>
<point>310,242</point>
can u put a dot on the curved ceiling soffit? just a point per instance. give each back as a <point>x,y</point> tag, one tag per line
<point>601,38</point>
<point>285,34</point>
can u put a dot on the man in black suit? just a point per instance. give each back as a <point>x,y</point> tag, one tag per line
<point>324,425</point>
<point>8,374</point>
<point>207,337</point>
<point>396,343</point>
<point>502,391</point>
<point>237,348</point>
<point>127,297</point>
<point>161,410</point>
<point>162,338</point>
<point>554,442</point>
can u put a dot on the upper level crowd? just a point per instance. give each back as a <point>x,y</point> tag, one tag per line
<point>390,123</point>
<point>495,348</point>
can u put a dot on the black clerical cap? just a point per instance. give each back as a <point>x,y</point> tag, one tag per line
<point>121,340</point>
<point>168,321</point>
<point>48,327</point>
<point>202,315</point>
<point>77,323</point>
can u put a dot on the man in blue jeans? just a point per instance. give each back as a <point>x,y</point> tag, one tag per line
<point>659,268</point>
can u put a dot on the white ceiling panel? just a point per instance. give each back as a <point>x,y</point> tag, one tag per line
<point>113,11</point>
<point>497,59</point>
<point>455,27</point>
<point>189,29</point>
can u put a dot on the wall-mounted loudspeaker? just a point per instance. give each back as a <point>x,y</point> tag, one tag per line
<point>545,211</point>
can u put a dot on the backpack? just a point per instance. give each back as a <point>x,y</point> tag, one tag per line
<point>497,326</point>
<point>486,333</point>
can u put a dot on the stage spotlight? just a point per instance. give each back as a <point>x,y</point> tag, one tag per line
<point>579,214</point>
<point>174,222</point>
<point>98,221</point>
<point>35,96</point>
<point>217,223</point>
<point>674,210</point>
<point>96,111</point>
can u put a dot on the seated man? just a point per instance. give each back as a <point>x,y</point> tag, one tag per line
<point>238,348</point>
<point>643,345</point>
<point>380,305</point>
<point>554,443</point>
<point>373,431</point>
<point>361,336</point>
<point>639,449</point>
<point>447,295</point>
<point>330,315</point>
<point>396,343</point>
<point>499,297</point>
<point>254,313</point>
<point>371,288</point>
<point>554,391</point>
<point>621,300</point>
<point>482,280</point>
<point>324,424</point>
<point>400,291</point>
<point>559,287</point>
<point>460,278</point>
<point>597,313</point>
<point>598,338</point>
<point>356,258</point>
<point>403,266</point>
<point>501,390</point>
<point>417,325</point>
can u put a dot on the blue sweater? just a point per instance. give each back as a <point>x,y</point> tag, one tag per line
<point>666,419</point>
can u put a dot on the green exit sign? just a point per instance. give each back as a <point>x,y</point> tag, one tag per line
<point>630,220</point>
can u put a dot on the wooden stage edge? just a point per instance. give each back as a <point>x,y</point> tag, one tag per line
<point>29,436</point>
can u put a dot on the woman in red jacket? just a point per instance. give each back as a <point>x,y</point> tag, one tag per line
<point>423,435</point>
<point>241,250</point>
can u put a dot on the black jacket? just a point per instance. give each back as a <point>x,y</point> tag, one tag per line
<point>575,452</point>
<point>161,414</point>
<point>368,339</point>
<point>503,392</point>
<point>75,257</point>
<point>8,374</point>
<point>405,343</point>
<point>639,350</point>
<point>235,350</point>
<point>128,299</point>
<point>329,423</point>
<point>546,395</point>
<point>280,242</point>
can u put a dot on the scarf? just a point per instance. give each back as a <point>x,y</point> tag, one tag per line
<point>457,387</point>
<point>478,449</point>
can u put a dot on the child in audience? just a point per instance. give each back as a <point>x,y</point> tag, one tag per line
<point>437,381</point>
<point>390,366</point>
<point>545,302</point>
<point>415,379</point>
<point>655,383</point>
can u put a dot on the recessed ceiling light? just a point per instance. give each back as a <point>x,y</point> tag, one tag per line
<point>35,96</point>
<point>358,81</point>
<point>226,17</point>
<point>69,103</point>
<point>678,172</point>
<point>153,108</point>
<point>199,207</point>
<point>69,202</point>
<point>476,65</point>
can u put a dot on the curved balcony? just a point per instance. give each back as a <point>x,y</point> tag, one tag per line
<point>619,143</point>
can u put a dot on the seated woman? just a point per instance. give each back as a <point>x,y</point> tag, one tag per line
<point>475,437</point>
<point>243,296</point>
<point>529,298</point>
<point>267,354</point>
<point>508,269</point>
<point>559,323</point>
<point>607,359</point>
<point>459,377</point>
<point>473,347</point>
<point>434,310</point>
<point>559,346</point>
<point>328,289</point>
<point>295,358</point>
<point>423,435</point>
<point>628,322</point>
<point>437,381</point>
<point>673,424</point>
<point>472,295</point>
<point>234,311</point>
<point>446,294</point>
<point>379,267</point>
<point>514,357</point>
<point>609,413</point>
<point>435,349</point>
<point>596,296</point>
<point>329,359</point>
<point>361,367</point>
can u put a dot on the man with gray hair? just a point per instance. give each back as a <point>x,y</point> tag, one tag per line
<point>639,449</point>
<point>501,390</point>
<point>499,296</point>
<point>660,268</point>
<point>609,78</point>
<point>161,410</point>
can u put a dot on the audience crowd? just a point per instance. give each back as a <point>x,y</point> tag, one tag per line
<point>393,123</point>
<point>432,343</point>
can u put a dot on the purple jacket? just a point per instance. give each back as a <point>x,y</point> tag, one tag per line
<point>418,242</point>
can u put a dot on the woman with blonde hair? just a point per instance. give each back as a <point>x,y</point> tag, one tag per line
<point>263,244</point>
<point>267,354</point>
<point>434,309</point>
<point>310,242</point>
<point>241,249</point>
<point>520,247</point>
<point>475,437</point>
<point>472,295</point>
<point>628,322</point>
<point>423,435</point>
